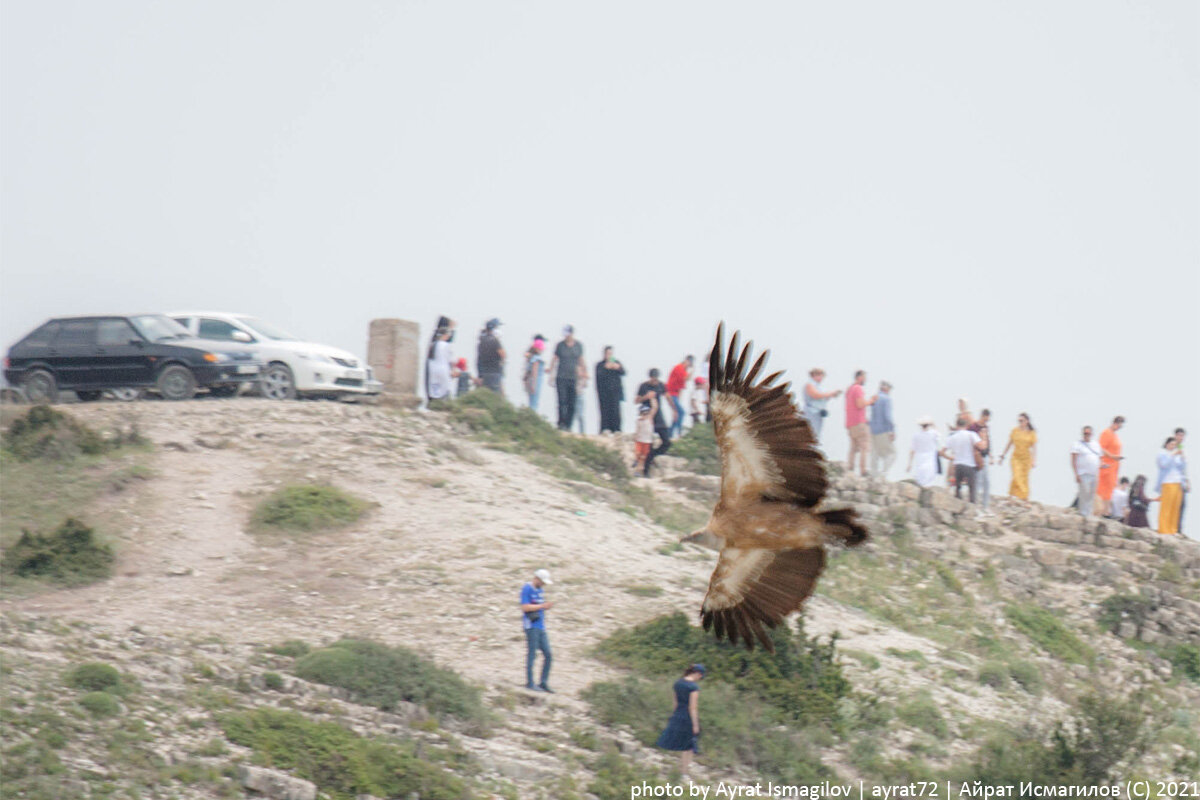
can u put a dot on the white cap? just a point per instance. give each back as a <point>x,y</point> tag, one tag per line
<point>543,575</point>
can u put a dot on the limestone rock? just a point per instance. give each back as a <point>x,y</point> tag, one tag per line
<point>276,785</point>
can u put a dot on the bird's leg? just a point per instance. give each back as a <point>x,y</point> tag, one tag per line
<point>704,538</point>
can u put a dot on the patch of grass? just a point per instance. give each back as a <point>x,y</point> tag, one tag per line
<point>1119,608</point>
<point>1184,658</point>
<point>915,656</point>
<point>308,507</point>
<point>520,430</point>
<point>384,676</point>
<point>1027,676</point>
<point>645,591</point>
<point>614,774</point>
<point>868,660</point>
<point>1048,632</point>
<point>100,704</point>
<point>47,434</point>
<point>341,763</point>
<point>70,555</point>
<point>273,681</point>
<point>802,679</point>
<point>1095,745</point>
<point>294,648</point>
<point>995,674</point>
<point>922,713</point>
<point>95,677</point>
<point>699,447</point>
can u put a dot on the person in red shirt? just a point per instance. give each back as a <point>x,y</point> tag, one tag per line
<point>676,382</point>
<point>856,422</point>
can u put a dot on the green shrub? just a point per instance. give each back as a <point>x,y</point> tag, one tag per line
<point>699,447</point>
<point>95,677</point>
<point>341,763</point>
<point>1048,632</point>
<point>1185,658</point>
<point>1027,676</point>
<point>522,431</point>
<point>273,681</point>
<point>70,555</point>
<point>308,507</point>
<point>100,704</point>
<point>614,774</point>
<point>737,730</point>
<point>994,674</point>
<point>1120,608</point>
<point>45,433</point>
<point>384,676</point>
<point>1100,740</point>
<point>922,713</point>
<point>802,680</point>
<point>292,647</point>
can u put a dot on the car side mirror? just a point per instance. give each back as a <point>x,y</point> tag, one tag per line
<point>242,336</point>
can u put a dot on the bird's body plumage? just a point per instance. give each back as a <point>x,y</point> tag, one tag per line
<point>766,523</point>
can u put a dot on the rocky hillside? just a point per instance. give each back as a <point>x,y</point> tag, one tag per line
<point>956,635</point>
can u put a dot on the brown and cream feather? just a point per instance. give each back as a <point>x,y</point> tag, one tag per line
<point>772,479</point>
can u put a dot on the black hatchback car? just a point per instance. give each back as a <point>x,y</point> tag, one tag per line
<point>90,354</point>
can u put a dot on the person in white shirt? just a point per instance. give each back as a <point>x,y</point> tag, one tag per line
<point>1085,463</point>
<point>1119,503</point>
<point>961,448</point>
<point>924,453</point>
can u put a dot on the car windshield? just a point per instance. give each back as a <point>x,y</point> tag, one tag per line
<point>266,330</point>
<point>159,328</point>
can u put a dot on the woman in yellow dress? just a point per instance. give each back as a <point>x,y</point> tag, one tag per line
<point>1023,441</point>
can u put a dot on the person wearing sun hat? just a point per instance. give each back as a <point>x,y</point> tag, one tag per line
<point>534,607</point>
<point>924,453</point>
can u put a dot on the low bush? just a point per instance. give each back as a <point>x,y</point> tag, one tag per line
<point>70,555</point>
<point>1048,632</point>
<point>293,648</point>
<point>44,433</point>
<point>922,713</point>
<point>802,680</point>
<point>699,447</point>
<point>613,774</point>
<point>1120,608</point>
<point>273,681</point>
<point>341,763</point>
<point>95,677</point>
<point>384,676</point>
<point>100,704</point>
<point>1027,676</point>
<point>1185,658</point>
<point>736,730</point>
<point>308,507</point>
<point>523,431</point>
<point>995,675</point>
<point>1100,740</point>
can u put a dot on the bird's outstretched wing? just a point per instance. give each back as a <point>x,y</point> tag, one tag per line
<point>751,588</point>
<point>768,451</point>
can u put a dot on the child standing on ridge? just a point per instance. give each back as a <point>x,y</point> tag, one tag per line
<point>643,432</point>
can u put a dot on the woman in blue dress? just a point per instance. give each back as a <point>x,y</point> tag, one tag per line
<point>683,728</point>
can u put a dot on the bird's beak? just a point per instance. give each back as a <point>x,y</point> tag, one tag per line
<point>704,538</point>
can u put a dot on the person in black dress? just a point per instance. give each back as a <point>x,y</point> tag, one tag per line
<point>610,390</point>
<point>1139,504</point>
<point>682,733</point>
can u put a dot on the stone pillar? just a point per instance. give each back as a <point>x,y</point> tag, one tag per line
<point>394,353</point>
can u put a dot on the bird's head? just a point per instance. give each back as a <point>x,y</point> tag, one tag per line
<point>704,538</point>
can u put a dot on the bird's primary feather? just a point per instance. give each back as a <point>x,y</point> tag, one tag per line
<point>772,479</point>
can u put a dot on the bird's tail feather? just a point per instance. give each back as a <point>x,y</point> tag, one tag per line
<point>843,523</point>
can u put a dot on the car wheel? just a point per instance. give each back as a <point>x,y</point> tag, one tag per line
<point>277,383</point>
<point>126,394</point>
<point>88,396</point>
<point>40,387</point>
<point>176,382</point>
<point>224,390</point>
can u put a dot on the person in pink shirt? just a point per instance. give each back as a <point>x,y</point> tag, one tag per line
<point>856,422</point>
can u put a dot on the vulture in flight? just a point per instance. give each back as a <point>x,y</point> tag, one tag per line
<point>766,524</point>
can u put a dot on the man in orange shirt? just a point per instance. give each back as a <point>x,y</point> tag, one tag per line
<point>1110,460</point>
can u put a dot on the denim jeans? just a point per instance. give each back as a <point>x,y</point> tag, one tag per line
<point>983,487</point>
<point>535,395</point>
<point>566,402</point>
<point>537,639</point>
<point>677,424</point>
<point>815,421</point>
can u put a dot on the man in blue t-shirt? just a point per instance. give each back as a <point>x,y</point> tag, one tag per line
<point>534,606</point>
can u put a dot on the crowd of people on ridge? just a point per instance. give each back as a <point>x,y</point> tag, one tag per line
<point>967,449</point>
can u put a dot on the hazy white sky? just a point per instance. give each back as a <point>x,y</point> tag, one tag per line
<point>1001,201</point>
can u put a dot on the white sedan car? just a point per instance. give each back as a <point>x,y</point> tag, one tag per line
<point>291,367</point>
